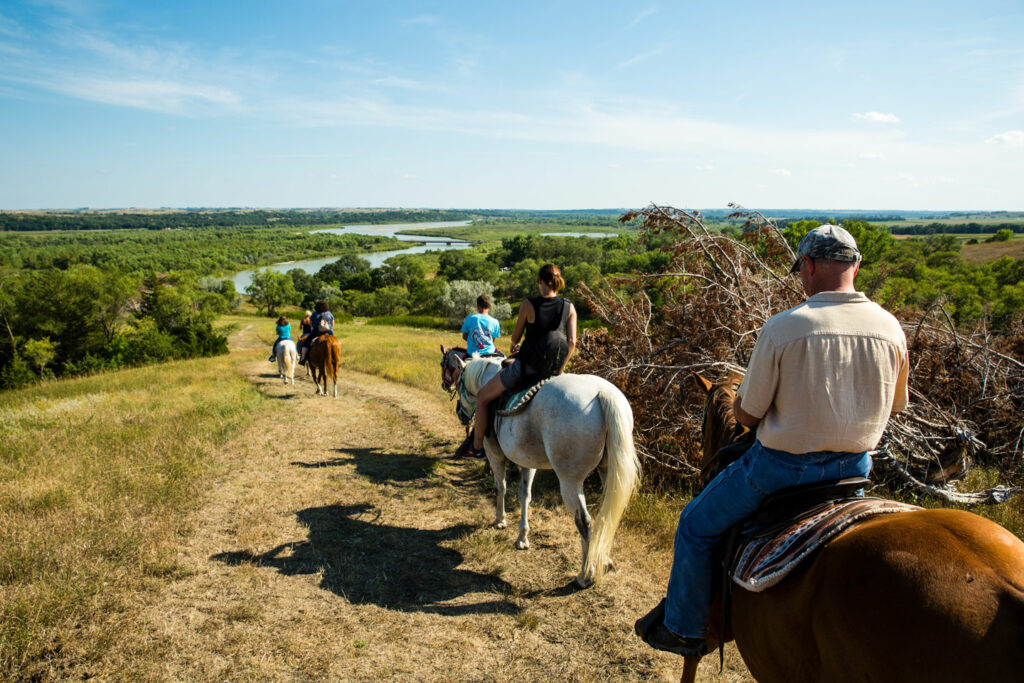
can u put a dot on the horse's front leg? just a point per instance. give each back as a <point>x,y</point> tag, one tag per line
<point>525,496</point>
<point>498,466</point>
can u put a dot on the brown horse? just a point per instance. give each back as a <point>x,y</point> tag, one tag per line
<point>931,595</point>
<point>324,356</point>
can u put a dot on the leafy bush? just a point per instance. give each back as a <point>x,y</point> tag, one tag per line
<point>459,300</point>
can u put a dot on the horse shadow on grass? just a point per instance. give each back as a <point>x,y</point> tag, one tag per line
<point>381,467</point>
<point>365,562</point>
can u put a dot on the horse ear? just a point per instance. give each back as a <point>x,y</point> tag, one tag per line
<point>704,382</point>
<point>444,351</point>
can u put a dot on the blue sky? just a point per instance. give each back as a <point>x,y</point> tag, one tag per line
<point>892,105</point>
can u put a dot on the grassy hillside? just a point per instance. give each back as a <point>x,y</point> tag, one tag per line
<point>100,477</point>
<point>96,477</point>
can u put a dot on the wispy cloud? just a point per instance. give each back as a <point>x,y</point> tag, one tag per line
<point>923,181</point>
<point>164,96</point>
<point>876,117</point>
<point>642,57</point>
<point>643,15</point>
<point>784,172</point>
<point>10,28</point>
<point>407,84</point>
<point>872,155</point>
<point>1010,138</point>
<point>421,20</point>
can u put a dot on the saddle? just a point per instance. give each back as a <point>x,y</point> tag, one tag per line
<point>789,527</point>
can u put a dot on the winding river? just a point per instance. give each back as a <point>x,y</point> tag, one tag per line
<point>243,278</point>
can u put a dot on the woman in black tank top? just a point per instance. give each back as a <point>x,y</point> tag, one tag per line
<point>549,324</point>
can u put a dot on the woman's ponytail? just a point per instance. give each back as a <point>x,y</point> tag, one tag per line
<point>551,276</point>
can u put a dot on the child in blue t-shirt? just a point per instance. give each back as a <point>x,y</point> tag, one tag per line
<point>480,329</point>
<point>284,331</point>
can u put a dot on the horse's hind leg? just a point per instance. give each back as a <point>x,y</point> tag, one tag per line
<point>572,494</point>
<point>525,495</point>
<point>498,470</point>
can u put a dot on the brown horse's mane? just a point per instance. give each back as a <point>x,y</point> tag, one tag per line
<point>719,429</point>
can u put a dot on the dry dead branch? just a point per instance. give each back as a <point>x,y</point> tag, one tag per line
<point>703,314</point>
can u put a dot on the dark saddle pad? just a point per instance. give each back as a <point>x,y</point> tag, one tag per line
<point>793,525</point>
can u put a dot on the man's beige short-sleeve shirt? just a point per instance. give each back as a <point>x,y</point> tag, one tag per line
<point>825,375</point>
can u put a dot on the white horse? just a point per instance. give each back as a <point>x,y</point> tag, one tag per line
<point>286,358</point>
<point>573,425</point>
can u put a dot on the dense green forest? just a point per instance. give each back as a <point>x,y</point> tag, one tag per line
<point>84,319</point>
<point>203,251</point>
<point>920,273</point>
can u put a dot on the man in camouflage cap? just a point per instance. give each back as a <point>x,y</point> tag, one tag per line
<point>828,242</point>
<point>822,380</point>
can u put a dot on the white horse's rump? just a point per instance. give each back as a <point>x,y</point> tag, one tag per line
<point>286,358</point>
<point>574,425</point>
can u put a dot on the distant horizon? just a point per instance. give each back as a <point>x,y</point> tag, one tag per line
<point>501,208</point>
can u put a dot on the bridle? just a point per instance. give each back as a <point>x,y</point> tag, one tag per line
<point>453,382</point>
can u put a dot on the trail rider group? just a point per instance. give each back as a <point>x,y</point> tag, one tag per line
<point>822,381</point>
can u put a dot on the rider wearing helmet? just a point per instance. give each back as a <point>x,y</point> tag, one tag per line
<point>549,324</point>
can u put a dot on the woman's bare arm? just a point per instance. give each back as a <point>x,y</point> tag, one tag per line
<point>525,313</point>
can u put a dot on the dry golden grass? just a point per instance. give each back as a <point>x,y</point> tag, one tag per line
<point>332,539</point>
<point>977,254</point>
<point>95,474</point>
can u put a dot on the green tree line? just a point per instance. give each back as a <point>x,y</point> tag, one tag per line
<point>402,286</point>
<point>920,273</point>
<point>82,220</point>
<point>203,251</point>
<point>84,319</point>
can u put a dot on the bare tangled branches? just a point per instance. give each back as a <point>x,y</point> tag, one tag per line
<point>703,315</point>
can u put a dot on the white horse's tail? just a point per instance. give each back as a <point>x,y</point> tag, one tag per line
<point>290,358</point>
<point>621,481</point>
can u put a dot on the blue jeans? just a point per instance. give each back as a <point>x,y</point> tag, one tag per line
<point>730,498</point>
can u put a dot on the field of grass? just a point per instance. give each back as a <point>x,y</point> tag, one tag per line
<point>96,475</point>
<point>401,354</point>
<point>982,219</point>
<point>976,254</point>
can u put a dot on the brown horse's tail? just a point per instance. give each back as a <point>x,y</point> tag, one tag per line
<point>333,359</point>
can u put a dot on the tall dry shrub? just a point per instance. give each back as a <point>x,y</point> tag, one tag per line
<point>703,314</point>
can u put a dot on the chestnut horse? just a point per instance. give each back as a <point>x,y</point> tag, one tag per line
<point>323,358</point>
<point>931,595</point>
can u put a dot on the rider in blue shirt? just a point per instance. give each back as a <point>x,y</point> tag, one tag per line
<point>284,331</point>
<point>480,329</point>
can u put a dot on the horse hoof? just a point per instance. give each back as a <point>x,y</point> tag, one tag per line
<point>584,582</point>
<point>523,545</point>
<point>500,524</point>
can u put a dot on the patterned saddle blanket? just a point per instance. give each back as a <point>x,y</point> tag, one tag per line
<point>764,558</point>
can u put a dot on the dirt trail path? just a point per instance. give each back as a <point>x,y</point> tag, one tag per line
<point>342,545</point>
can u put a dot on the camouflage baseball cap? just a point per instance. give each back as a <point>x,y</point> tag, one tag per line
<point>827,241</point>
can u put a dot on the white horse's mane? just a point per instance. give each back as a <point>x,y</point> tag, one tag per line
<point>474,372</point>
